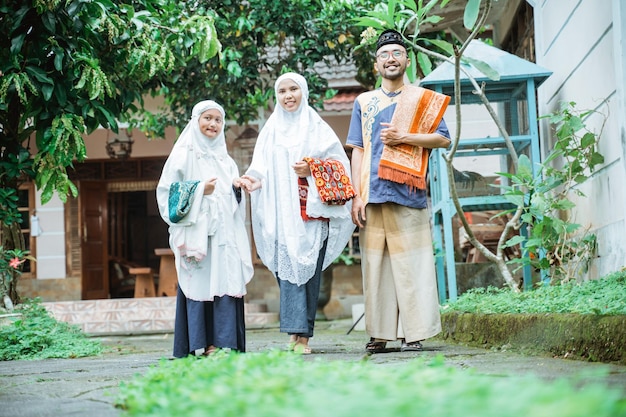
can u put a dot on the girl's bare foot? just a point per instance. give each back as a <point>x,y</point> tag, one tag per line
<point>209,350</point>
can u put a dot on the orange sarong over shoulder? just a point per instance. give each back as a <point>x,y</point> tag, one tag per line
<point>419,110</point>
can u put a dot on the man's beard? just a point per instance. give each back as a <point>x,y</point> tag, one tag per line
<point>394,76</point>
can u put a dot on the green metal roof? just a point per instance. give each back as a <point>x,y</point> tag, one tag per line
<point>512,69</point>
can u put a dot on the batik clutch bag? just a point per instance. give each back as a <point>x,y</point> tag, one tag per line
<point>180,199</point>
<point>332,182</point>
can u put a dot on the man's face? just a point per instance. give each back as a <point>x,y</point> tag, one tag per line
<point>391,61</point>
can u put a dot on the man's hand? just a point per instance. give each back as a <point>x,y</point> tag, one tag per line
<point>390,135</point>
<point>358,212</point>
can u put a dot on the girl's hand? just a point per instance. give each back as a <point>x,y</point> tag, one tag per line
<point>240,182</point>
<point>250,183</point>
<point>301,169</point>
<point>209,186</point>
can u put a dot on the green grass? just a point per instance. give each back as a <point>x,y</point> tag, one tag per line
<point>277,384</point>
<point>37,335</point>
<point>602,296</point>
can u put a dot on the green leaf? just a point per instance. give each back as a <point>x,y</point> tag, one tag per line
<point>515,240</point>
<point>524,166</point>
<point>483,67</point>
<point>424,62</point>
<point>234,69</point>
<point>108,116</point>
<point>588,139</point>
<point>58,59</point>
<point>17,43</point>
<point>411,70</point>
<point>444,45</point>
<point>61,94</point>
<point>39,74</point>
<point>368,21</point>
<point>47,90</point>
<point>49,22</point>
<point>515,199</point>
<point>564,204</point>
<point>596,159</point>
<point>470,16</point>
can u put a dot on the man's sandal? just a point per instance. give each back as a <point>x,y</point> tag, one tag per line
<point>411,347</point>
<point>375,347</point>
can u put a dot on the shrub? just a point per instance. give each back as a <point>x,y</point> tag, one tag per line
<point>37,335</point>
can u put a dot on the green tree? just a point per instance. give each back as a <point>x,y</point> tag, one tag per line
<point>261,40</point>
<point>70,66</point>
<point>67,67</point>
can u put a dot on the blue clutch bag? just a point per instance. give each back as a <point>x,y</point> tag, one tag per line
<point>180,199</point>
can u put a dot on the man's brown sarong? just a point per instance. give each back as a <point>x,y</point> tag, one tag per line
<point>419,110</point>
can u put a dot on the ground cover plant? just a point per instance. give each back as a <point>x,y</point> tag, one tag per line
<point>37,335</point>
<point>276,384</point>
<point>606,296</point>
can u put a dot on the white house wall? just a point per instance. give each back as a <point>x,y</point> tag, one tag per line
<point>582,42</point>
<point>51,240</point>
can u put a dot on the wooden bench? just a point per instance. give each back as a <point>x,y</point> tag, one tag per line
<point>144,281</point>
<point>129,279</point>
<point>168,280</point>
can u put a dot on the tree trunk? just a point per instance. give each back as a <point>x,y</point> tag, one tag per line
<point>11,237</point>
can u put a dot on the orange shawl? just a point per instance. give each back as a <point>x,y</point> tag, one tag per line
<point>419,110</point>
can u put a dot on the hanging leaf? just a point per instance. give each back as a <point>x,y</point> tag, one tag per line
<point>471,14</point>
<point>483,67</point>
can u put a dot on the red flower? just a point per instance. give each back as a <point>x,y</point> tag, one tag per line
<point>15,262</point>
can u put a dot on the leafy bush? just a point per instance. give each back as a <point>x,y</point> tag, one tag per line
<point>277,384</point>
<point>37,335</point>
<point>601,296</point>
<point>555,243</point>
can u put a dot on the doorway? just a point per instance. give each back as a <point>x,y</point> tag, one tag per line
<point>135,231</point>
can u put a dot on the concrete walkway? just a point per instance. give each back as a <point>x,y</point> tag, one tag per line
<point>89,386</point>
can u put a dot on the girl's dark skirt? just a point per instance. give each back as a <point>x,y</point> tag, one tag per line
<point>200,324</point>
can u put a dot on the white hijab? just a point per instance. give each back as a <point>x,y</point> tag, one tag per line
<point>286,244</point>
<point>210,244</point>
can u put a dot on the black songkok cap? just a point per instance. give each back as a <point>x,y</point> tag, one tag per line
<point>389,37</point>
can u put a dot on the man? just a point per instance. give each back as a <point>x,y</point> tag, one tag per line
<point>390,132</point>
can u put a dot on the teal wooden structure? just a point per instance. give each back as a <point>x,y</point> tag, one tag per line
<point>514,98</point>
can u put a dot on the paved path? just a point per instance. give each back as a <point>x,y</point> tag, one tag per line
<point>89,386</point>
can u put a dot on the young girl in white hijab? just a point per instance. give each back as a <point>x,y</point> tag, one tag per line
<point>296,242</point>
<point>199,197</point>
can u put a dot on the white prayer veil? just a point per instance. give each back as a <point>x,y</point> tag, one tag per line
<point>286,244</point>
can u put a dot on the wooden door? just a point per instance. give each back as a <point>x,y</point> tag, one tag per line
<point>93,231</point>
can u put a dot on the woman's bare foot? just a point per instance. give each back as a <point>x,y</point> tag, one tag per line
<point>302,346</point>
<point>293,340</point>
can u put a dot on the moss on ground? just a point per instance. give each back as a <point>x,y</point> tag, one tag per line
<point>589,337</point>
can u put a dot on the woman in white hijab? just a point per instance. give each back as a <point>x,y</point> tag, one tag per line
<point>199,197</point>
<point>296,234</point>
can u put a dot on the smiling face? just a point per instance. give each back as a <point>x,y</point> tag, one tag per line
<point>289,95</point>
<point>393,62</point>
<point>211,123</point>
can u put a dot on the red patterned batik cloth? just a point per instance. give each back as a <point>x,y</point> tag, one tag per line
<point>332,181</point>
